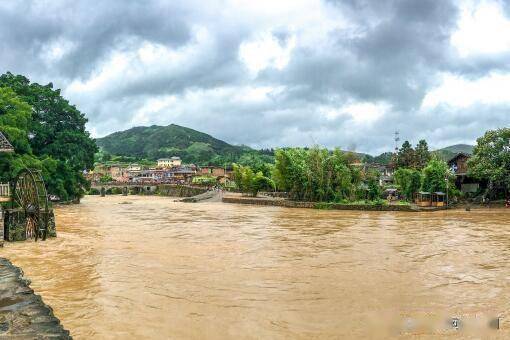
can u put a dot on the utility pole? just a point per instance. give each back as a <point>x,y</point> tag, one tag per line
<point>397,139</point>
<point>446,191</point>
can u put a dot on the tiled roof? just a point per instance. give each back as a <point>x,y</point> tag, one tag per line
<point>5,145</point>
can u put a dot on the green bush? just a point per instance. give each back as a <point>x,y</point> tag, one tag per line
<point>436,175</point>
<point>116,191</point>
<point>379,202</point>
<point>249,182</point>
<point>409,180</point>
<point>94,191</point>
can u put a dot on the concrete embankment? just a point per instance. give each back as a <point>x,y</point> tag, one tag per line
<point>23,314</point>
<point>295,204</point>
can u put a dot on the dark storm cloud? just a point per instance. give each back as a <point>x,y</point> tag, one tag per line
<point>393,60</point>
<point>27,29</point>
<point>387,53</point>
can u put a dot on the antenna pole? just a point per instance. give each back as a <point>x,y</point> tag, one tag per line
<point>397,139</point>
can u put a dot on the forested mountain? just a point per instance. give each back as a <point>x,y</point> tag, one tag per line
<point>445,154</point>
<point>384,158</point>
<point>448,152</point>
<point>153,142</point>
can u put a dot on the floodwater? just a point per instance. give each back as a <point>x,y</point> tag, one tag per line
<point>148,267</point>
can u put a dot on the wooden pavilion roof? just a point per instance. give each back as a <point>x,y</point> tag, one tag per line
<point>5,145</point>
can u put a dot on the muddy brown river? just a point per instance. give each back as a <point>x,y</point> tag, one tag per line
<point>148,267</point>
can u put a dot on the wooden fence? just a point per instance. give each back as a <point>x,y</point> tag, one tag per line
<point>5,190</point>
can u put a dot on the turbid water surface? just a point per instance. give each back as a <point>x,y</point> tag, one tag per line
<point>148,267</point>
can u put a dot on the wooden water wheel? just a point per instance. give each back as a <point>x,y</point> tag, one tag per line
<point>29,195</point>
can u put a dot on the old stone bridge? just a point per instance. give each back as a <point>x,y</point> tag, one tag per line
<point>165,189</point>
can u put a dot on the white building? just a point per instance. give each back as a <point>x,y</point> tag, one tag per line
<point>169,162</point>
<point>134,167</point>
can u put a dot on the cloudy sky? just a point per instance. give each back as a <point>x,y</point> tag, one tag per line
<point>266,73</point>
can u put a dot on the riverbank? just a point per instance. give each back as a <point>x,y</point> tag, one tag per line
<point>280,202</point>
<point>23,314</point>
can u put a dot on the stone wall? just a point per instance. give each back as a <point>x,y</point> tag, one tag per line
<point>179,190</point>
<point>296,204</point>
<point>273,202</point>
<point>371,207</point>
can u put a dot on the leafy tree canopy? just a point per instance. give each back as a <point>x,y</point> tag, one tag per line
<point>423,155</point>
<point>52,134</point>
<point>316,174</point>
<point>409,181</point>
<point>251,182</point>
<point>491,157</point>
<point>436,175</point>
<point>406,157</point>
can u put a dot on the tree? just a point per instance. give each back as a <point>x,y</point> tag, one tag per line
<point>422,154</point>
<point>342,177</point>
<point>406,157</point>
<point>289,173</point>
<point>372,181</point>
<point>316,174</point>
<point>384,158</point>
<point>435,176</point>
<point>409,181</point>
<point>105,179</point>
<point>491,158</point>
<point>257,161</point>
<point>249,182</point>
<point>261,182</point>
<point>15,116</point>
<point>57,133</point>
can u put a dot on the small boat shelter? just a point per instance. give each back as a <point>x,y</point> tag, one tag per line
<point>438,199</point>
<point>423,199</point>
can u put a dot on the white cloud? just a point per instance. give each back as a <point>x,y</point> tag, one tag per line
<point>361,113</point>
<point>266,51</point>
<point>56,50</point>
<point>459,92</point>
<point>483,28</point>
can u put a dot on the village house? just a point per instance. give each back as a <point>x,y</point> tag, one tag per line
<point>214,171</point>
<point>134,167</point>
<point>183,174</point>
<point>118,173</point>
<point>169,162</point>
<point>149,175</point>
<point>459,166</point>
<point>222,175</point>
<point>132,172</point>
<point>386,172</point>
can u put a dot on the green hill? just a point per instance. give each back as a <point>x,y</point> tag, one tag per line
<point>448,152</point>
<point>153,142</point>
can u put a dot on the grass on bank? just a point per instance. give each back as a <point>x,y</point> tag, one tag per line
<point>329,205</point>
